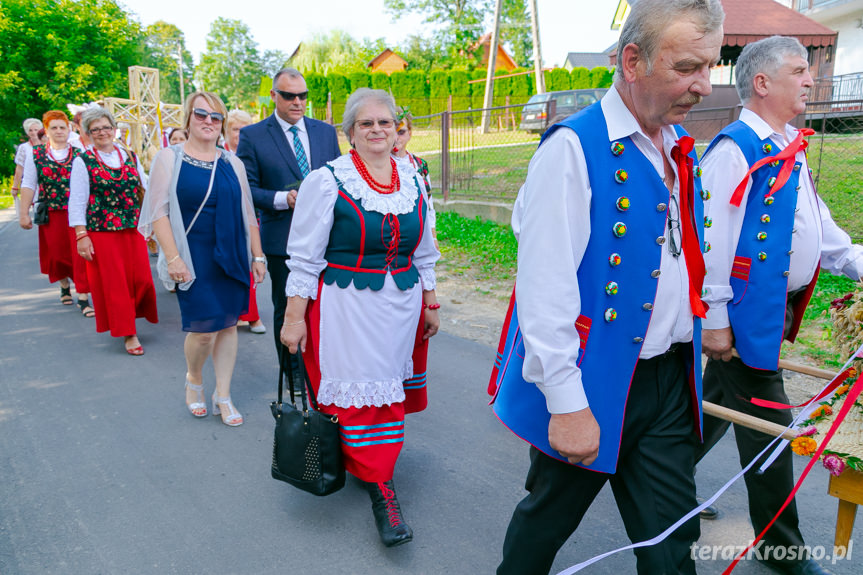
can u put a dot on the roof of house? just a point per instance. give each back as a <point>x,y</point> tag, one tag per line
<point>751,20</point>
<point>587,60</point>
<point>485,40</point>
<point>383,56</point>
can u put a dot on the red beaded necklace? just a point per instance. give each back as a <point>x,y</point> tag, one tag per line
<point>53,159</point>
<point>106,169</point>
<point>360,165</point>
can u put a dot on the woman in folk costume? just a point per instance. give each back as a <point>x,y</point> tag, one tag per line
<point>361,249</point>
<point>48,170</point>
<point>104,210</point>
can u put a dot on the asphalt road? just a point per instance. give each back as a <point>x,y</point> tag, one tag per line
<point>103,471</point>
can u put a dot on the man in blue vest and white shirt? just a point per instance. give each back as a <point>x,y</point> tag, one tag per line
<point>769,235</point>
<point>607,299</point>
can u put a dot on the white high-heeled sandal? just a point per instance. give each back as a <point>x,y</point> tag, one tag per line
<point>199,406</point>
<point>234,418</point>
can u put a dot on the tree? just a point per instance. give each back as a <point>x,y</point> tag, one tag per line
<point>57,52</point>
<point>336,51</point>
<point>231,66</point>
<point>272,61</point>
<point>164,45</point>
<point>459,22</point>
<point>515,31</point>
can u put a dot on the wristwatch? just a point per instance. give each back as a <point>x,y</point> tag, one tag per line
<point>261,259</point>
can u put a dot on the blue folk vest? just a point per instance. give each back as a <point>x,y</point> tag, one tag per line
<point>617,279</point>
<point>364,245</point>
<point>759,274</point>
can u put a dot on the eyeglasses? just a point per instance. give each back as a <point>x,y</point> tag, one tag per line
<point>102,129</point>
<point>384,124</point>
<point>674,234</point>
<point>291,96</point>
<point>202,115</point>
<point>402,132</point>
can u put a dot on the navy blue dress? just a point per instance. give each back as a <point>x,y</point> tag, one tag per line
<point>220,293</point>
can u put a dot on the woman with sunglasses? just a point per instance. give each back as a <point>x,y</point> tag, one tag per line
<point>404,131</point>
<point>200,207</point>
<point>104,209</point>
<point>361,250</point>
<point>48,169</point>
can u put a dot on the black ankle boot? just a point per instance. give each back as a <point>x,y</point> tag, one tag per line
<point>388,515</point>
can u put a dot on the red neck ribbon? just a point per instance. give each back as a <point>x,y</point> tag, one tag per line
<point>786,156</point>
<point>691,243</point>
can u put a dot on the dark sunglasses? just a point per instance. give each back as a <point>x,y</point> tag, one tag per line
<point>202,115</point>
<point>290,96</point>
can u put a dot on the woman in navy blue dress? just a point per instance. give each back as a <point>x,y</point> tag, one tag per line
<point>200,208</point>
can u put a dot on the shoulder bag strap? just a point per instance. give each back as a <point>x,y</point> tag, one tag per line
<point>207,196</point>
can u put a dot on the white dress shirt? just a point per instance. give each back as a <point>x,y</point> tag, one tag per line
<point>551,219</point>
<point>815,235</point>
<point>21,153</point>
<point>79,184</point>
<point>280,202</point>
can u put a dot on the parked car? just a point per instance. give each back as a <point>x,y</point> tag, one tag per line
<point>544,110</point>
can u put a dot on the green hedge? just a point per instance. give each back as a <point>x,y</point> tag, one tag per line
<point>318,89</point>
<point>359,80</point>
<point>380,81</point>
<point>579,78</point>
<point>559,80</point>
<point>601,77</point>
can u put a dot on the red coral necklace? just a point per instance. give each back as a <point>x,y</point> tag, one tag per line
<point>360,165</point>
<point>55,160</point>
<point>106,169</point>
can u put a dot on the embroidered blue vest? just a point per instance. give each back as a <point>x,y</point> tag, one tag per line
<point>617,279</point>
<point>364,245</point>
<point>759,274</point>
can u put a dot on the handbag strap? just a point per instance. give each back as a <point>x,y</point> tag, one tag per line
<point>307,394</point>
<point>207,196</point>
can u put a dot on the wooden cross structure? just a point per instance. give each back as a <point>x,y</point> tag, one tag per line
<point>141,112</point>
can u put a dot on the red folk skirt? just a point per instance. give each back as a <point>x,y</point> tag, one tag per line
<point>122,282</point>
<point>58,252</point>
<point>253,314</point>
<point>372,437</point>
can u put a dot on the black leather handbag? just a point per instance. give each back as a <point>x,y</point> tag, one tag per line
<point>40,214</point>
<point>307,449</point>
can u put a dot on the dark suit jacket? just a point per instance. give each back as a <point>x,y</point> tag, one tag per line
<point>272,167</point>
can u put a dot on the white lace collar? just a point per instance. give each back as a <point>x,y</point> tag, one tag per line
<point>397,203</point>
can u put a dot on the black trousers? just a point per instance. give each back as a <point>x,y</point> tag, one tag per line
<point>726,384</point>
<point>277,266</point>
<point>653,485</point>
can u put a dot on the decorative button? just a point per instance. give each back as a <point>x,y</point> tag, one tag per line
<point>610,314</point>
<point>647,307</point>
<point>622,204</point>
<point>767,148</point>
<point>661,207</point>
<point>697,173</point>
<point>765,219</point>
<point>617,148</point>
<point>619,229</point>
<point>797,188</point>
<point>786,273</point>
<point>708,222</point>
<point>655,273</point>
<point>706,247</point>
<point>796,167</point>
<point>774,163</point>
<point>771,181</point>
<point>620,176</point>
<point>790,252</point>
<point>793,230</point>
<point>762,236</point>
<point>637,339</point>
<point>762,256</point>
<point>768,200</point>
<point>614,260</point>
<point>705,195</point>
<point>611,288</point>
<point>660,240</point>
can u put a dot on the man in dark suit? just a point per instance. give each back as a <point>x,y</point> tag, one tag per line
<point>278,153</point>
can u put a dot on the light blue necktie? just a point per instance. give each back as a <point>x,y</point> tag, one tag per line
<point>300,152</point>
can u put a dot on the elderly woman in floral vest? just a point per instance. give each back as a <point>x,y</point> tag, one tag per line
<point>104,210</point>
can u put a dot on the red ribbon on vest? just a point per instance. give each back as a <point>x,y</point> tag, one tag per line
<point>689,235</point>
<point>786,156</point>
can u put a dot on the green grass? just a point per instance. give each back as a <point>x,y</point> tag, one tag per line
<point>5,193</point>
<point>482,248</point>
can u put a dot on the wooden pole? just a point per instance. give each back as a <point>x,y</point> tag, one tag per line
<point>750,421</point>
<point>537,49</point>
<point>492,64</point>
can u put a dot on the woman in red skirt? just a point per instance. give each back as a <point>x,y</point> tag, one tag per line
<point>47,170</point>
<point>104,210</point>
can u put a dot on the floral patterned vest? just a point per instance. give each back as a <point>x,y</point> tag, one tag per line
<point>113,204</point>
<point>53,177</point>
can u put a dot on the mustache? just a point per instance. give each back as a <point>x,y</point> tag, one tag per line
<point>692,100</point>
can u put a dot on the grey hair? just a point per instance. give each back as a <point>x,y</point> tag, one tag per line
<point>238,116</point>
<point>764,57</point>
<point>31,122</point>
<point>94,113</point>
<point>359,99</point>
<point>289,72</point>
<point>648,21</point>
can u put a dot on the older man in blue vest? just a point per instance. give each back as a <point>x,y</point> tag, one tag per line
<point>770,234</point>
<point>599,367</point>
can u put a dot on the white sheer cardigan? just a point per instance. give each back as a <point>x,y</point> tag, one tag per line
<point>161,200</point>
